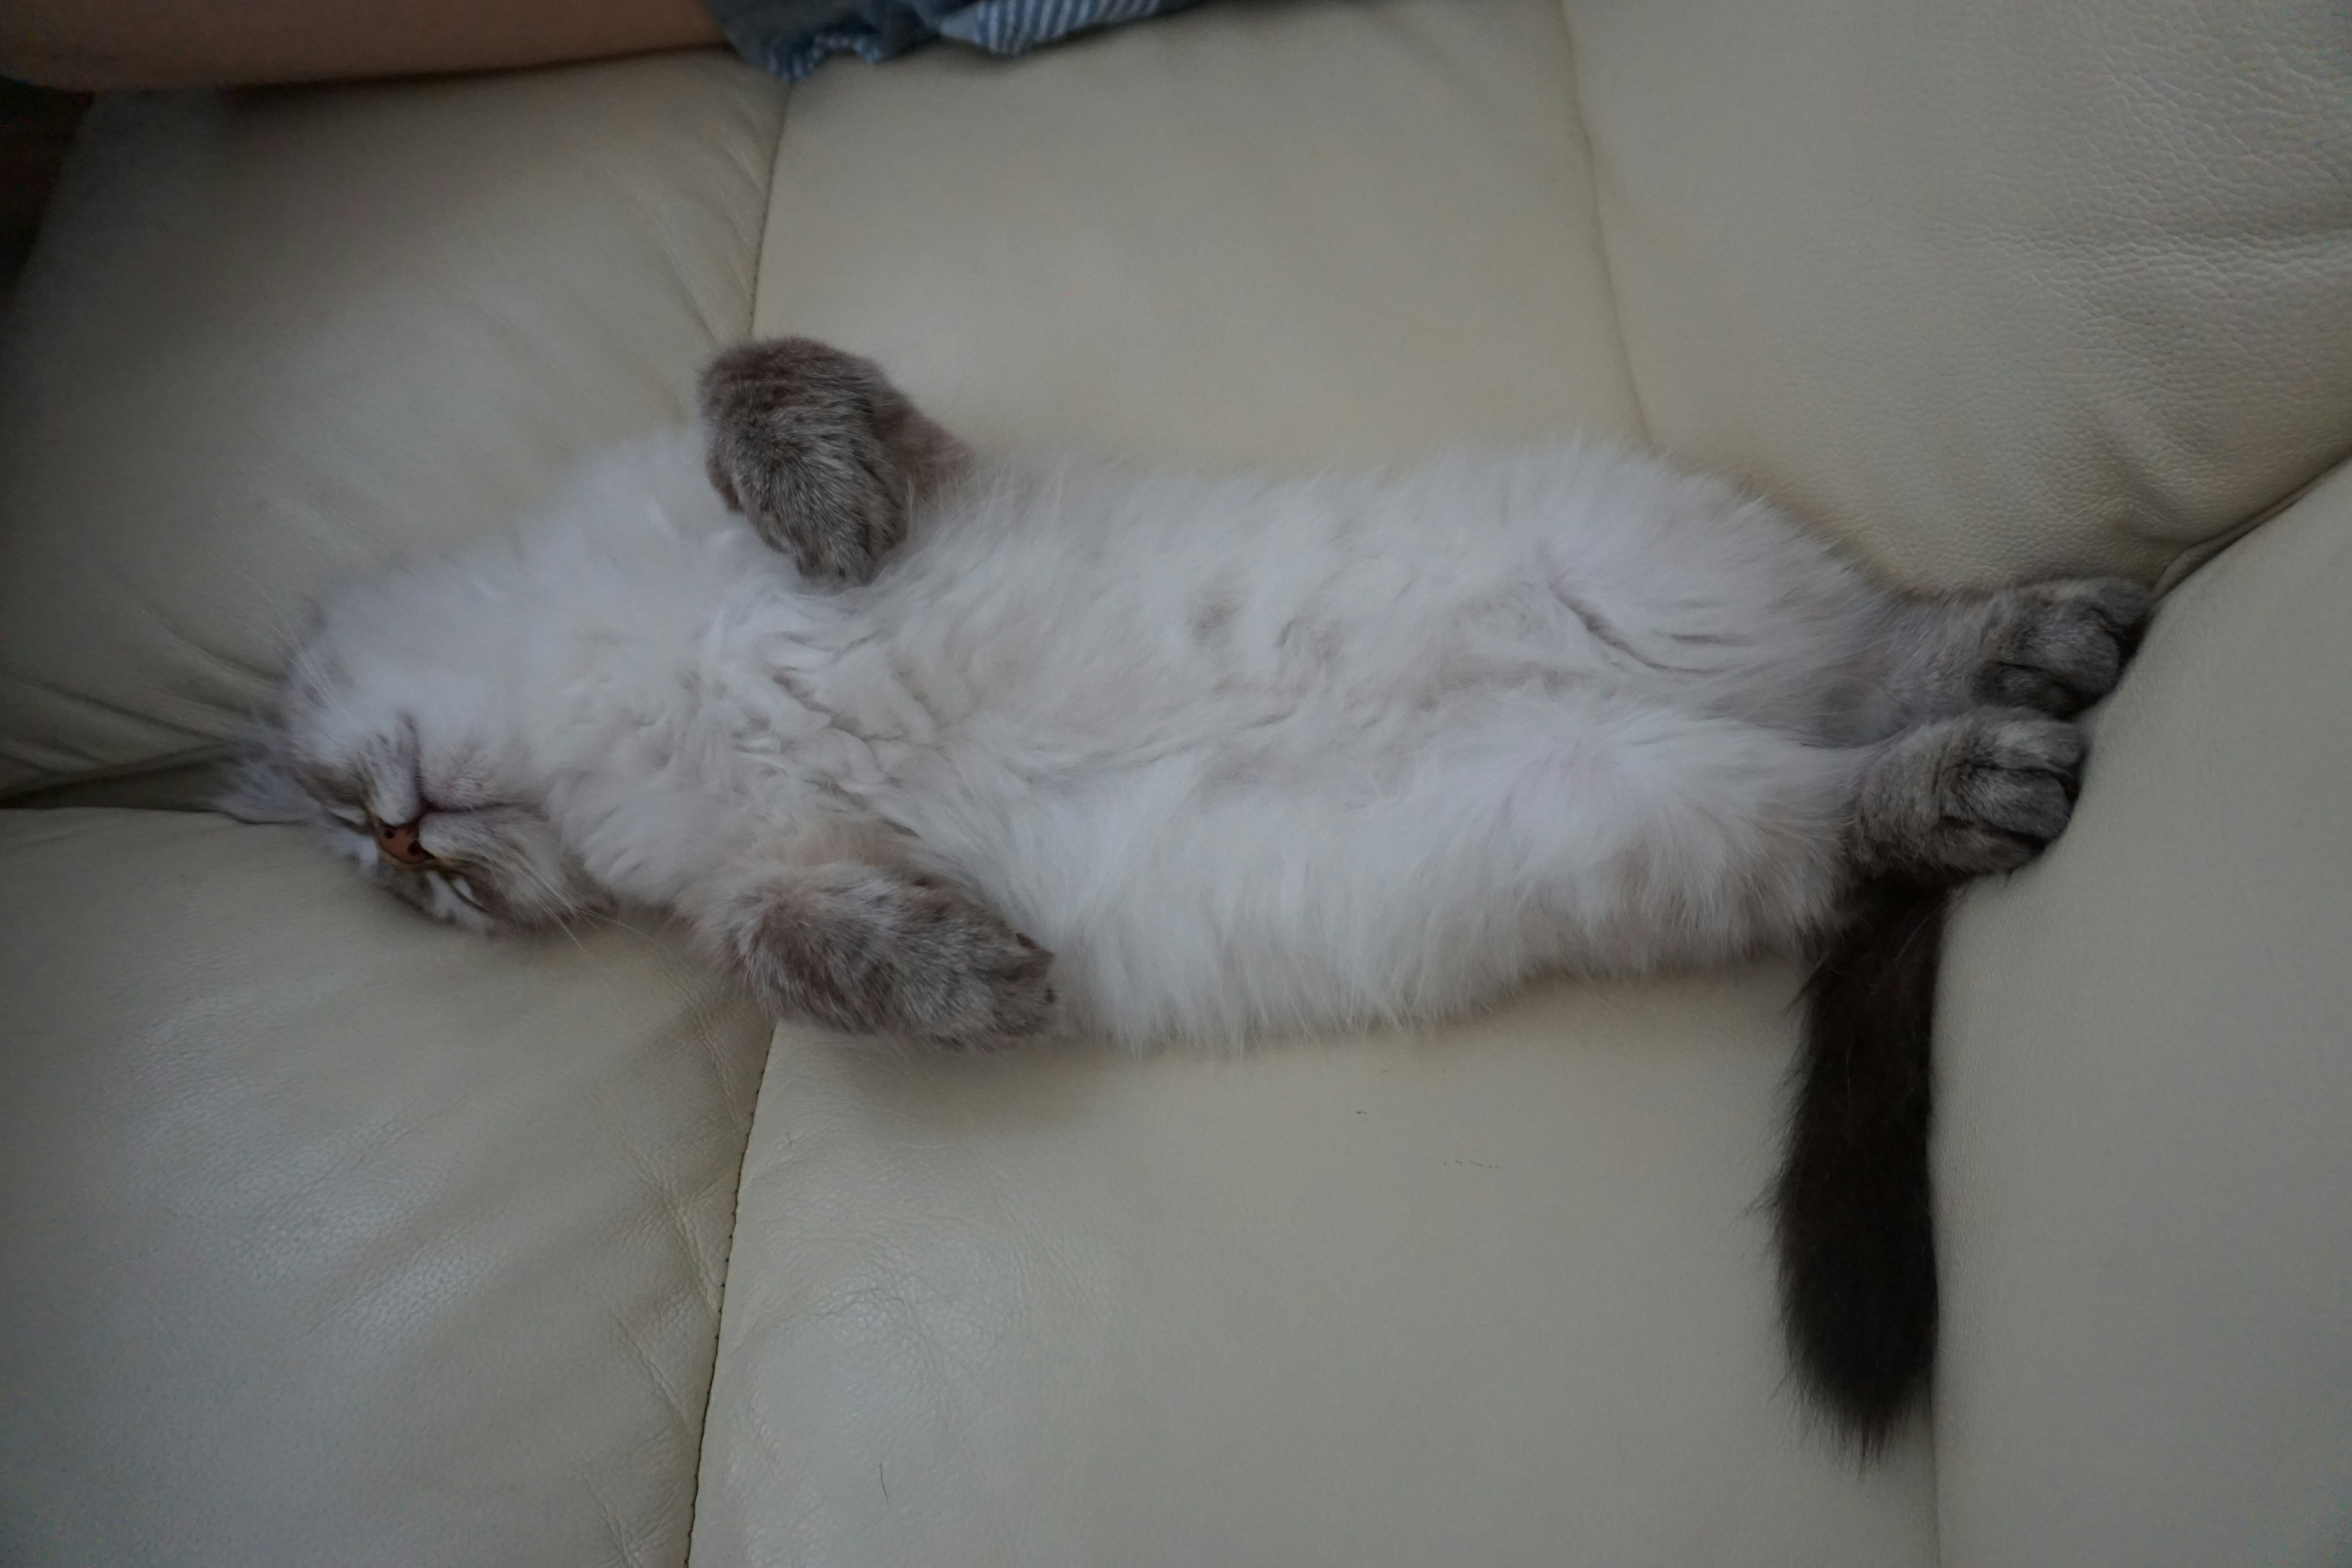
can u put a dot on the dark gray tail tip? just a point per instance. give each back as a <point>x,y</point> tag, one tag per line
<point>1852,1209</point>
<point>1864,1376</point>
<point>1859,1307</point>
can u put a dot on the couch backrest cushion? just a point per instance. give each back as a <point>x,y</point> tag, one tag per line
<point>1292,235</point>
<point>271,340</point>
<point>1995,288</point>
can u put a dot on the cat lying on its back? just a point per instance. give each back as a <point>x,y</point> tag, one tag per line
<point>961,749</point>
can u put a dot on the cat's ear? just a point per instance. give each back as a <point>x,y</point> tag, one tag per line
<point>259,787</point>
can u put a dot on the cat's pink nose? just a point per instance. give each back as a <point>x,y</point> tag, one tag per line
<point>398,842</point>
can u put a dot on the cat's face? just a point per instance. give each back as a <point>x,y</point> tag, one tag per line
<point>393,755</point>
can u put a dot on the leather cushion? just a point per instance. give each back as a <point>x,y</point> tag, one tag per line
<point>335,1235</point>
<point>1335,231</point>
<point>272,340</point>
<point>1492,1294</point>
<point>1999,289</point>
<point>2146,1181</point>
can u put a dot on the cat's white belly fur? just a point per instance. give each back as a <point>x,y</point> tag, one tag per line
<point>1246,756</point>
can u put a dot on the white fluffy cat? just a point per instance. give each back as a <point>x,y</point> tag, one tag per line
<point>1239,755</point>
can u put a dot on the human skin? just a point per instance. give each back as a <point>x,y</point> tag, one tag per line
<point>117,45</point>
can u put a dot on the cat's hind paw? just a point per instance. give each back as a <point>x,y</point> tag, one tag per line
<point>1969,796</point>
<point>2058,646</point>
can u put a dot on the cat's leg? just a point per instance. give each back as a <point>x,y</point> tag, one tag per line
<point>1663,836</point>
<point>1624,838</point>
<point>882,950</point>
<point>2055,646</point>
<point>1429,872</point>
<point>821,453</point>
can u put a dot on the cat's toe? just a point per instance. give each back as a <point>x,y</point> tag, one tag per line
<point>2005,790</point>
<point>1969,796</point>
<point>994,991</point>
<point>2064,645</point>
<point>835,534</point>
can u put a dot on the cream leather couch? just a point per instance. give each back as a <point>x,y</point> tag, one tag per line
<point>328,1235</point>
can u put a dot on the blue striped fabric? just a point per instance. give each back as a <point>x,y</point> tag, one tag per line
<point>793,38</point>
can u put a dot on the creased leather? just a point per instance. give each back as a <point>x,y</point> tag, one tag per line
<point>1492,1294</point>
<point>332,1236</point>
<point>270,340</point>
<point>1996,288</point>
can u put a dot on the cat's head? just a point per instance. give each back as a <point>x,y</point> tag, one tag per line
<point>387,742</point>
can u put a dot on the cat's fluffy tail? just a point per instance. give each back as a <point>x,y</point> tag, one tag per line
<point>1851,1208</point>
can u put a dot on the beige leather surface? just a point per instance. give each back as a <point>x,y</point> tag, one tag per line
<point>2146,1170</point>
<point>1998,287</point>
<point>1495,1295</point>
<point>274,338</point>
<point>1294,234</point>
<point>332,1236</point>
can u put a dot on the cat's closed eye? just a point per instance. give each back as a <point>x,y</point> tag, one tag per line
<point>441,836</point>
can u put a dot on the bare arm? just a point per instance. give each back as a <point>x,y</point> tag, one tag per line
<point>109,44</point>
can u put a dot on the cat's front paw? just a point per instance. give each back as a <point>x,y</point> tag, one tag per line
<point>1967,796</point>
<point>964,978</point>
<point>2058,646</point>
<point>819,451</point>
<point>884,952</point>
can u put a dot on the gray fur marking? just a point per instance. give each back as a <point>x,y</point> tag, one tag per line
<point>821,453</point>
<point>872,950</point>
<point>2055,646</point>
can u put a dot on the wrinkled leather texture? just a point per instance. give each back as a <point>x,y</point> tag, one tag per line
<point>334,1236</point>
<point>271,341</point>
<point>1998,289</point>
<point>1496,1294</point>
<point>2147,1050</point>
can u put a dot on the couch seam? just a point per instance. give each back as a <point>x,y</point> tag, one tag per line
<point>767,213</point>
<point>2192,559</point>
<point>751,1120</point>
<point>53,791</point>
<point>718,1315</point>
<point>1583,125</point>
